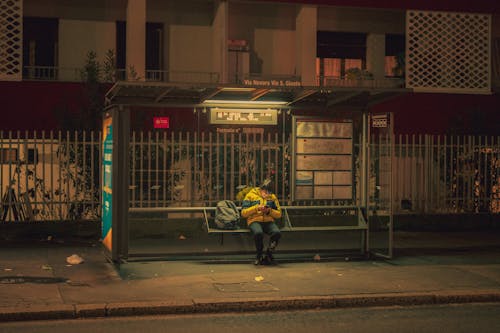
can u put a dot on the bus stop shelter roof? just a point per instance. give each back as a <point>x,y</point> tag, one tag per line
<point>163,94</point>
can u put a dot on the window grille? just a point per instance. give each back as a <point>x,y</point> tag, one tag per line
<point>448,52</point>
<point>11,40</point>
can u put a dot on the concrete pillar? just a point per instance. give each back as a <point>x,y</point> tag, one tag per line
<point>375,55</point>
<point>136,39</point>
<point>219,39</point>
<point>306,29</point>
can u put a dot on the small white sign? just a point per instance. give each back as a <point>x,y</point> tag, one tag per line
<point>379,121</point>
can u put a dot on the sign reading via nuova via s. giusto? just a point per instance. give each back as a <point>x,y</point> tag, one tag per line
<point>272,83</point>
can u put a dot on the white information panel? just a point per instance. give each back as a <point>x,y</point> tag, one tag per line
<point>323,159</point>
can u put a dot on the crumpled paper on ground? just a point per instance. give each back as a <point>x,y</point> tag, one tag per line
<point>74,259</point>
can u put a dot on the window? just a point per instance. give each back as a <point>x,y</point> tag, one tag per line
<point>32,156</point>
<point>394,55</point>
<point>154,49</point>
<point>8,155</point>
<point>342,45</point>
<point>11,155</point>
<point>338,52</point>
<point>328,69</point>
<point>40,37</point>
<point>390,65</point>
<point>332,67</point>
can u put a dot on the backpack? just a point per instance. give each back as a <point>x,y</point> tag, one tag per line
<point>243,192</point>
<point>226,215</point>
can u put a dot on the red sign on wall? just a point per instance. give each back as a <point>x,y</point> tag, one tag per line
<point>161,122</point>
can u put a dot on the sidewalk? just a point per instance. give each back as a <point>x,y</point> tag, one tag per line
<point>429,268</point>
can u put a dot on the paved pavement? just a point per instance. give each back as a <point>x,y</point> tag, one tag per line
<point>36,282</point>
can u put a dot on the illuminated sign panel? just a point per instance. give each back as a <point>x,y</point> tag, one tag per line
<point>243,116</point>
<point>161,122</point>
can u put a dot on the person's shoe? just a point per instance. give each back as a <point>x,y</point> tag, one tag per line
<point>269,259</point>
<point>258,261</point>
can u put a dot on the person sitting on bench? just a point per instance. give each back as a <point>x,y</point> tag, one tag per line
<point>261,207</point>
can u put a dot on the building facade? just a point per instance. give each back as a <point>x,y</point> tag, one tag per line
<point>448,47</point>
<point>296,83</point>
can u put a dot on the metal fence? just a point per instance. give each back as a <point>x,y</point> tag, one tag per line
<point>447,174</point>
<point>75,74</point>
<point>49,176</point>
<point>56,176</point>
<point>430,174</point>
<point>197,169</point>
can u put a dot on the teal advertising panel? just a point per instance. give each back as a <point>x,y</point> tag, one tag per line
<point>107,184</point>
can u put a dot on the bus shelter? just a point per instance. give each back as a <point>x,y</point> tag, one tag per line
<point>329,158</point>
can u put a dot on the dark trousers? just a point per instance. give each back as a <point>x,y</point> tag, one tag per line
<point>259,229</point>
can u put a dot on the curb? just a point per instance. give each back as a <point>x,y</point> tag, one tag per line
<point>241,305</point>
<point>50,312</point>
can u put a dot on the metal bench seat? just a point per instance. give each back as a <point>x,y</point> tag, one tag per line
<point>287,224</point>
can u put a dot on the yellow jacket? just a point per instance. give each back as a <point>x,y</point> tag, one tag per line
<point>253,199</point>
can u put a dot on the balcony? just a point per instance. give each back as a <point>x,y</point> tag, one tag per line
<point>169,76</point>
<point>49,73</point>
<point>386,83</point>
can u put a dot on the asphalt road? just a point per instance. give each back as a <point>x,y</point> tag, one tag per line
<point>483,317</point>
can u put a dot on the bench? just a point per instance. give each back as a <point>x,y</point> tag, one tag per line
<point>286,225</point>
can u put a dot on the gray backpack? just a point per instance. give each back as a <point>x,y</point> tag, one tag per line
<point>226,215</point>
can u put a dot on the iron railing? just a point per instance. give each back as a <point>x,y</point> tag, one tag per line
<point>199,169</point>
<point>447,174</point>
<point>51,73</point>
<point>56,175</point>
<point>49,176</point>
<point>336,81</point>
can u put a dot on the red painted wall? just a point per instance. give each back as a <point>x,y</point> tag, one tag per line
<point>36,105</point>
<point>419,113</point>
<point>39,105</point>
<point>479,6</point>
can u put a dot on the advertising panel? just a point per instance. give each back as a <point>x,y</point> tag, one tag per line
<point>107,186</point>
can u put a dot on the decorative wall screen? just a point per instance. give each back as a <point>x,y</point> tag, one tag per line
<point>11,40</point>
<point>448,52</point>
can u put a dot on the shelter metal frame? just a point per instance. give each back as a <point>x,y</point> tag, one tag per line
<point>125,95</point>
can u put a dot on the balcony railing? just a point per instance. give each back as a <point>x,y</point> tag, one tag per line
<point>50,73</point>
<point>169,76</point>
<point>335,81</point>
<point>182,76</point>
